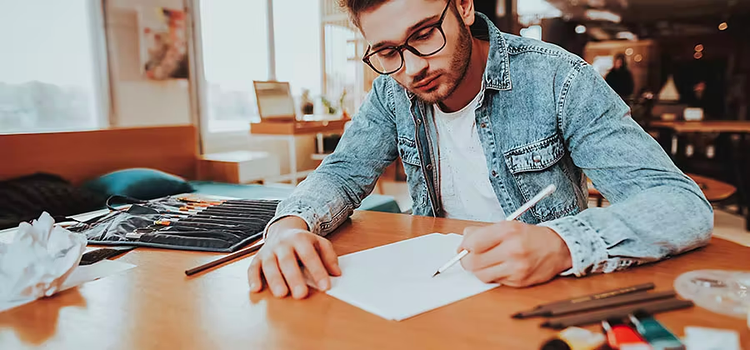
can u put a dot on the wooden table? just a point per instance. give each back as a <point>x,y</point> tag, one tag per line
<point>718,126</point>
<point>155,306</point>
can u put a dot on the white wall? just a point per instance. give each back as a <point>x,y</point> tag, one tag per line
<point>138,101</point>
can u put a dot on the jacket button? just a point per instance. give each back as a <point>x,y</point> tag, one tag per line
<point>494,173</point>
<point>537,158</point>
<point>429,167</point>
<point>483,125</point>
<point>419,121</point>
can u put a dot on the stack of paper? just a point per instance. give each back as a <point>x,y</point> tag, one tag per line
<point>395,281</point>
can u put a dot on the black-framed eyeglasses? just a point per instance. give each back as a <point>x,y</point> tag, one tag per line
<point>426,41</point>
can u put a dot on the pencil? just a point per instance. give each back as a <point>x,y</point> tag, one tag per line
<point>531,203</point>
<point>226,258</point>
<point>620,312</point>
<point>609,302</point>
<point>540,310</point>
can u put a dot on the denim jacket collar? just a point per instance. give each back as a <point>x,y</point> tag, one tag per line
<point>497,71</point>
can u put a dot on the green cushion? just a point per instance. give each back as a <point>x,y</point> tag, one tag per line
<point>141,183</point>
<point>373,202</point>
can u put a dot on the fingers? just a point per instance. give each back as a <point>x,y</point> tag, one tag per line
<point>253,276</point>
<point>494,273</point>
<point>329,257</point>
<point>309,257</point>
<point>502,268</point>
<point>471,230</point>
<point>279,262</point>
<point>291,272</point>
<point>481,239</point>
<point>273,276</point>
<point>477,261</point>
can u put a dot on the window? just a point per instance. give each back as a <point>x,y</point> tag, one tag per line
<point>297,44</point>
<point>49,75</point>
<point>344,70</point>
<point>235,50</point>
<point>343,62</point>
<point>234,36</point>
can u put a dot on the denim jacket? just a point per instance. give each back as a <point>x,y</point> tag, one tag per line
<point>545,117</point>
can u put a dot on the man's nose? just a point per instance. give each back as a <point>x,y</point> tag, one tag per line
<point>414,64</point>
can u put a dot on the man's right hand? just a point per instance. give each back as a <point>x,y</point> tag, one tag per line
<point>289,246</point>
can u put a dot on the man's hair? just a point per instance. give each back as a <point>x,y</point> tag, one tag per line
<point>355,7</point>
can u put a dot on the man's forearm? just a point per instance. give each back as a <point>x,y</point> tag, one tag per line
<point>318,204</point>
<point>658,222</point>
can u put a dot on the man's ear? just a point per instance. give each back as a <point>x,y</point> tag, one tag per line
<point>465,10</point>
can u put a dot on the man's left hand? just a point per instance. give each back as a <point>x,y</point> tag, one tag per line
<point>514,253</point>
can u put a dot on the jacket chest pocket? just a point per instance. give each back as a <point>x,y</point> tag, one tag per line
<point>538,165</point>
<point>407,150</point>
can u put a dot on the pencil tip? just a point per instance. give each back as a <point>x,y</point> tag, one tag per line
<point>436,273</point>
<point>517,316</point>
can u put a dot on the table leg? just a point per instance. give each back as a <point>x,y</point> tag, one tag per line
<point>665,140</point>
<point>673,143</point>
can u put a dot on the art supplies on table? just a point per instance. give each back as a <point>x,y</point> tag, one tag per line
<point>100,254</point>
<point>544,309</point>
<point>621,312</point>
<point>639,331</point>
<point>395,281</point>
<point>607,305</point>
<point>182,222</point>
<point>227,258</point>
<point>656,334</point>
<point>620,335</point>
<point>574,338</point>
<point>700,338</point>
<point>723,292</point>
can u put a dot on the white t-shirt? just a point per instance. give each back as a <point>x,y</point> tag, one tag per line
<point>464,178</point>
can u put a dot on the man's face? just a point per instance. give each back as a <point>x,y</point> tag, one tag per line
<point>432,78</point>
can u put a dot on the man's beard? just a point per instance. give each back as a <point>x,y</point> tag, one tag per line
<point>455,75</point>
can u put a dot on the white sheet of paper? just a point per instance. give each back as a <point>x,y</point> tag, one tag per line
<point>395,281</point>
<point>80,275</point>
<point>700,338</point>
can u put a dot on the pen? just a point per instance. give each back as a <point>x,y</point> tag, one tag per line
<point>541,195</point>
<point>240,253</point>
<point>651,307</point>
<point>542,310</point>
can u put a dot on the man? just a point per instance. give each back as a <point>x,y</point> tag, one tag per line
<point>620,78</point>
<point>482,121</point>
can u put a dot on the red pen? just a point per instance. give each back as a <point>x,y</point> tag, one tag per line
<point>622,336</point>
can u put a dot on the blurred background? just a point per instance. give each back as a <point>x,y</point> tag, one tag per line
<point>76,65</point>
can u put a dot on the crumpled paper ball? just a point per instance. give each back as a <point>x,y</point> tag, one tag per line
<point>39,260</point>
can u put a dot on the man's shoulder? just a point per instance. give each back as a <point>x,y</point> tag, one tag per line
<point>521,48</point>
